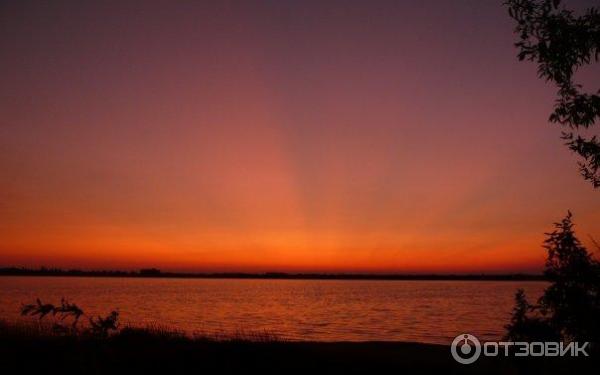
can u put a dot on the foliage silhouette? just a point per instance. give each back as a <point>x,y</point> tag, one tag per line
<point>569,309</point>
<point>525,327</point>
<point>98,326</point>
<point>560,43</point>
<point>102,326</point>
<point>38,309</point>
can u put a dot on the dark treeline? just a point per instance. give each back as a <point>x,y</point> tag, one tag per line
<point>153,272</point>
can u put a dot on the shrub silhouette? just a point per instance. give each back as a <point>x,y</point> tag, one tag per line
<point>569,309</point>
<point>97,326</point>
<point>67,309</point>
<point>102,326</point>
<point>38,309</point>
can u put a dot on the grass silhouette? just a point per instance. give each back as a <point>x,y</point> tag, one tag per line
<point>34,347</point>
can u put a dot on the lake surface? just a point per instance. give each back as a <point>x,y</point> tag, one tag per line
<point>325,310</point>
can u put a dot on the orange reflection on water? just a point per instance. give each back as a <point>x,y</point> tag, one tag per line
<point>324,310</point>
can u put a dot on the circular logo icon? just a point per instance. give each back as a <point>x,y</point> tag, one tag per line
<point>465,348</point>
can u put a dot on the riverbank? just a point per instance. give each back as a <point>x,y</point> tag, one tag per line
<point>29,350</point>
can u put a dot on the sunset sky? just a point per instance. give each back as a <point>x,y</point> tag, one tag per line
<point>325,136</point>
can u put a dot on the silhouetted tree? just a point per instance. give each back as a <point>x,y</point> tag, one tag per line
<point>572,301</point>
<point>560,43</point>
<point>524,326</point>
<point>570,307</point>
<point>149,272</point>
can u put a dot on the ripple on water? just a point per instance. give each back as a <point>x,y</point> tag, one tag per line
<point>325,310</point>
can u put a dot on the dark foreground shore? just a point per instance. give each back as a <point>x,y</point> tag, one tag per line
<point>155,351</point>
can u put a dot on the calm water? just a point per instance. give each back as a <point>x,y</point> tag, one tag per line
<point>424,311</point>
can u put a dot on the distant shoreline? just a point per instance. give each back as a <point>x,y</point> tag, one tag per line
<point>155,273</point>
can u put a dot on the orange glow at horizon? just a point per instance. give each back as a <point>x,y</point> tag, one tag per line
<point>209,138</point>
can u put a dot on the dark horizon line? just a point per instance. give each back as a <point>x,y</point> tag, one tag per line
<point>154,272</point>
